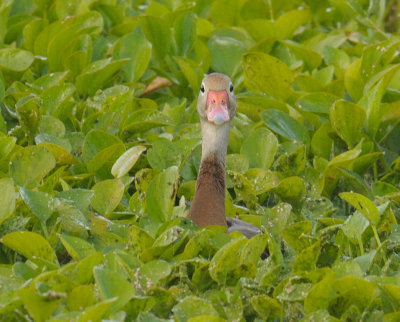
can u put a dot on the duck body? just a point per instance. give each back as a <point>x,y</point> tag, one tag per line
<point>216,106</point>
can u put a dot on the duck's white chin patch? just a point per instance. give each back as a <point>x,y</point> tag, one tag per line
<point>219,119</point>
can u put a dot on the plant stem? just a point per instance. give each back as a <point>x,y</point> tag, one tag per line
<point>378,242</point>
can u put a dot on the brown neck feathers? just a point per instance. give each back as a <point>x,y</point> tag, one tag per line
<point>208,206</point>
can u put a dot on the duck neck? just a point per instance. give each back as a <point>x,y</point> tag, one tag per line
<point>208,206</point>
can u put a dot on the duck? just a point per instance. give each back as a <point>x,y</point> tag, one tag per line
<point>216,106</point>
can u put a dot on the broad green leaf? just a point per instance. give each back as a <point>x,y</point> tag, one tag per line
<point>393,294</point>
<point>79,197</point>
<point>237,162</point>
<point>226,48</point>
<point>39,307</point>
<point>140,238</point>
<point>95,141</point>
<point>97,311</point>
<point>160,196</point>
<point>80,297</point>
<point>317,102</point>
<point>354,227</point>
<point>290,21</point>
<point>362,204</point>
<point>101,164</point>
<point>341,112</point>
<point>111,285</point>
<point>185,32</point>
<point>152,272</point>
<point>97,74</point>
<point>297,234</point>
<point>61,40</point>
<point>126,161</point>
<point>225,261</point>
<point>285,125</point>
<point>15,59</point>
<point>145,119</point>
<point>52,126</point>
<point>266,307</point>
<point>320,294</point>
<point>352,80</point>
<point>40,203</point>
<point>267,74</point>
<point>291,190</point>
<point>260,29</point>
<point>321,143</point>
<point>165,153</point>
<point>107,195</point>
<point>78,248</point>
<point>7,193</point>
<point>137,48</point>
<point>306,260</point>
<point>157,31</point>
<point>30,165</point>
<point>353,291</point>
<point>7,144</point>
<point>72,219</point>
<point>193,306</point>
<point>371,102</point>
<point>49,80</point>
<point>190,70</point>
<point>56,97</point>
<point>30,244</point>
<point>260,147</point>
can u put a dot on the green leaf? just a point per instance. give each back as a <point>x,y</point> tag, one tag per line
<point>107,195</point>
<point>260,147</point>
<point>320,294</point>
<point>95,141</point>
<point>79,197</point>
<point>56,97</point>
<point>7,193</point>
<point>80,297</point>
<point>145,119</point>
<point>185,32</point>
<point>354,227</point>
<point>192,306</point>
<point>157,31</point>
<point>126,161</point>
<point>226,49</point>
<point>111,285</point>
<point>297,234</point>
<point>135,47</point>
<point>29,244</point>
<point>78,248</point>
<point>290,21</point>
<point>267,74</point>
<point>306,260</point>
<point>15,59</point>
<point>291,190</point>
<point>152,272</point>
<point>30,165</point>
<point>97,311</point>
<point>97,74</point>
<point>266,307</point>
<point>225,261</point>
<point>362,204</point>
<point>160,195</point>
<point>316,102</point>
<point>342,111</point>
<point>40,203</point>
<point>39,307</point>
<point>285,125</point>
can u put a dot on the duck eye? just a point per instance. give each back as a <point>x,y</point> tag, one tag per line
<point>231,88</point>
<point>202,88</point>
